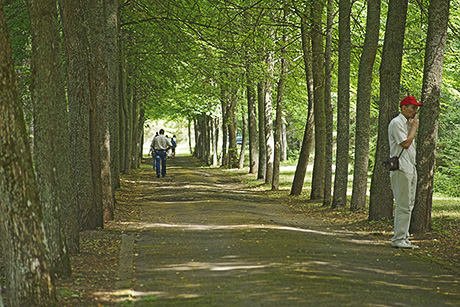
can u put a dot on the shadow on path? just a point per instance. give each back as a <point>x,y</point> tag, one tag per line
<point>204,240</point>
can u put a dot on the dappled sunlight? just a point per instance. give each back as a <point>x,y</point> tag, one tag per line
<point>203,227</point>
<point>216,267</point>
<point>129,295</point>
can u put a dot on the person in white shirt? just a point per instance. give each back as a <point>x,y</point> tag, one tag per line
<point>401,135</point>
<point>160,145</point>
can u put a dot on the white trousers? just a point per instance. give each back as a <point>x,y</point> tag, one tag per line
<point>403,185</point>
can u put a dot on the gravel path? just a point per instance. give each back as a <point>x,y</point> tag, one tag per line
<point>204,240</point>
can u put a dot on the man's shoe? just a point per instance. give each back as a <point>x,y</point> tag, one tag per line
<point>158,176</point>
<point>404,244</point>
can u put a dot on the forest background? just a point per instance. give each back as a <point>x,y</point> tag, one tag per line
<point>288,77</point>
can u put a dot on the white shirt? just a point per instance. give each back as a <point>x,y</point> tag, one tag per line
<point>161,142</point>
<point>398,130</point>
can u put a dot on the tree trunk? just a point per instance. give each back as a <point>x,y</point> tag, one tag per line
<point>100,92</point>
<point>284,146</point>
<point>307,141</point>
<point>112,25</point>
<point>77,48</point>
<point>232,129</point>
<point>339,199</point>
<point>328,105</point>
<point>252,123</point>
<point>224,105</point>
<point>28,278</point>
<point>52,156</point>
<point>215,141</point>
<point>317,188</point>
<point>381,199</point>
<point>122,89</point>
<point>261,172</point>
<point>279,110</point>
<point>366,65</point>
<point>269,139</point>
<point>243,141</point>
<point>128,132</point>
<point>429,113</point>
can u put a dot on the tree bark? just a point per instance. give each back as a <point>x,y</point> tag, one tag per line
<point>302,163</point>
<point>261,173</point>
<point>429,113</point>
<point>112,24</point>
<point>232,125</point>
<point>317,188</point>
<point>269,138</point>
<point>215,141</point>
<point>284,145</point>
<point>28,278</point>
<point>100,131</point>
<point>366,65</point>
<point>339,199</point>
<point>252,125</point>
<point>224,106</point>
<point>381,198</point>
<point>78,54</point>
<point>51,135</point>
<point>279,110</point>
<point>122,112</point>
<point>243,141</point>
<point>328,105</point>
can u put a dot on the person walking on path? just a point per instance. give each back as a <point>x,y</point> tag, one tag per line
<point>401,134</point>
<point>160,145</point>
<point>152,152</point>
<point>174,144</point>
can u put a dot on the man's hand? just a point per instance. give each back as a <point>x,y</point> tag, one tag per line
<point>414,122</point>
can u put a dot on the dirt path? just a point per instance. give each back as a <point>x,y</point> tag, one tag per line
<point>204,240</point>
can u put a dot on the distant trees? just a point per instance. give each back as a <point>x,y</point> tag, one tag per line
<point>219,62</point>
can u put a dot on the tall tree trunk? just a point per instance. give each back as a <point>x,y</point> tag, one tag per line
<point>269,139</point>
<point>317,188</point>
<point>78,54</point>
<point>135,133</point>
<point>207,148</point>
<point>215,141</point>
<point>224,105</point>
<point>279,111</point>
<point>339,199</point>
<point>100,91</point>
<point>51,135</point>
<point>112,47</point>
<point>122,89</point>
<point>284,146</point>
<point>261,172</point>
<point>128,109</point>
<point>28,278</point>
<point>232,129</point>
<point>307,141</point>
<point>252,124</point>
<point>381,199</point>
<point>429,113</point>
<point>366,66</point>
<point>244,140</point>
<point>328,105</point>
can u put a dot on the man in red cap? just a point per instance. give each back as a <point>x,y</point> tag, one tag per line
<point>401,134</point>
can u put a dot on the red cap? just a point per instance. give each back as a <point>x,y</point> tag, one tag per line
<point>410,100</point>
